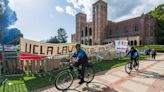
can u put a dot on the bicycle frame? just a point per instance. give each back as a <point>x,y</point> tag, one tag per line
<point>72,69</point>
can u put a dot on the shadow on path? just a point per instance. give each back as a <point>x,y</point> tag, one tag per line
<point>92,87</point>
<point>98,87</point>
<point>151,74</point>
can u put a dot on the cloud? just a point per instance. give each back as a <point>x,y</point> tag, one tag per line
<point>70,10</point>
<point>140,7</point>
<point>75,3</point>
<point>59,9</point>
<point>83,6</point>
<point>118,10</point>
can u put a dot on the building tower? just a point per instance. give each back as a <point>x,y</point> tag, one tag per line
<point>80,25</point>
<point>99,21</point>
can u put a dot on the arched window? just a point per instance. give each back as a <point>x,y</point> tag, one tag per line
<point>102,7</point>
<point>126,29</point>
<point>136,27</point>
<point>110,32</point>
<point>82,33</point>
<point>86,31</point>
<point>140,42</point>
<point>135,42</point>
<point>90,41</point>
<point>90,31</point>
<point>86,41</point>
<point>82,42</point>
<point>97,8</point>
<point>131,42</point>
<point>117,30</point>
<point>128,42</point>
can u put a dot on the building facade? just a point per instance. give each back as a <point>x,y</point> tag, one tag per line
<point>138,31</point>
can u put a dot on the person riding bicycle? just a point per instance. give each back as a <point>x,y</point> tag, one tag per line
<point>81,58</point>
<point>134,54</point>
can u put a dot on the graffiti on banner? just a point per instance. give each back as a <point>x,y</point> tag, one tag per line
<point>121,45</point>
<point>33,47</point>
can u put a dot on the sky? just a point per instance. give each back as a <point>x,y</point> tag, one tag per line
<point>40,19</point>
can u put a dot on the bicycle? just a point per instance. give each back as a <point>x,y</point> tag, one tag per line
<point>128,69</point>
<point>65,77</point>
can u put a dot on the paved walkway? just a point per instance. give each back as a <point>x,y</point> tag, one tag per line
<point>149,78</point>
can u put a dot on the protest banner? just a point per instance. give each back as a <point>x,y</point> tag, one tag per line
<point>121,45</point>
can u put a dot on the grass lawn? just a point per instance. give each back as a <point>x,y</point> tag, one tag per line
<point>109,64</point>
<point>33,82</point>
<point>159,48</point>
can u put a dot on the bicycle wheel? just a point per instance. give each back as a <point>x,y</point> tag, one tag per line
<point>64,80</point>
<point>136,67</point>
<point>89,74</point>
<point>127,68</point>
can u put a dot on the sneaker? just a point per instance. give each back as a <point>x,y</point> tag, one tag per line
<point>81,82</point>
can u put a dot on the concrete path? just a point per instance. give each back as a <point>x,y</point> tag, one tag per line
<point>149,78</point>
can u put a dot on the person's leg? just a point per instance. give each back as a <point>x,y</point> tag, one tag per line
<point>135,61</point>
<point>154,56</point>
<point>77,64</point>
<point>82,71</point>
<point>131,62</point>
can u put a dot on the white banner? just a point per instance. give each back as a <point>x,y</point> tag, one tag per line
<point>33,47</point>
<point>8,48</point>
<point>121,45</point>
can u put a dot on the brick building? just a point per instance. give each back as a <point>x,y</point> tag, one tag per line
<point>137,31</point>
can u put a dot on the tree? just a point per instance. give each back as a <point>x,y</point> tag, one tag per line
<point>12,36</point>
<point>62,35</point>
<point>158,14</point>
<point>7,18</point>
<point>53,40</point>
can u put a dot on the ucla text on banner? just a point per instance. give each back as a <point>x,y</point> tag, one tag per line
<point>34,47</point>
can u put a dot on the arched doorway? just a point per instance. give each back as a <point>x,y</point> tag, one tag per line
<point>82,42</point>
<point>86,41</point>
<point>140,42</point>
<point>86,31</point>
<point>135,43</point>
<point>82,33</point>
<point>90,41</point>
<point>90,31</point>
<point>131,43</point>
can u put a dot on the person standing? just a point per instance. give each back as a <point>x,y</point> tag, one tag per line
<point>153,53</point>
<point>81,58</point>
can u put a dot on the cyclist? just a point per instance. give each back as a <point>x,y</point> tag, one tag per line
<point>134,54</point>
<point>81,58</point>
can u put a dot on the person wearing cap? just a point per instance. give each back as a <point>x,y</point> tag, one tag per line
<point>134,54</point>
<point>81,58</point>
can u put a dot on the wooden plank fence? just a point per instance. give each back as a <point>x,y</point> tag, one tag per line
<point>33,66</point>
